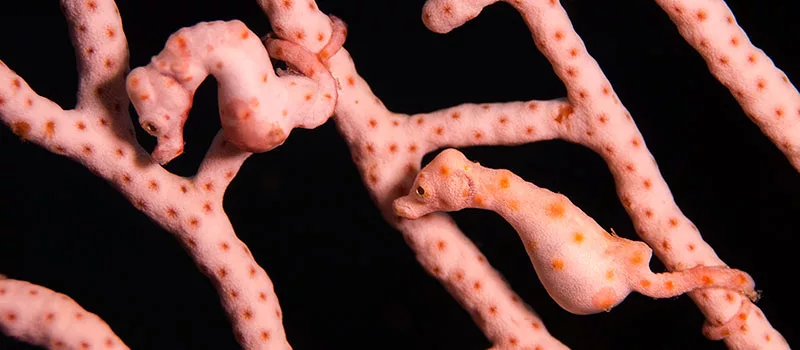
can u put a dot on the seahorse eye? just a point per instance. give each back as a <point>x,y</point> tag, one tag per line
<point>420,191</point>
<point>150,128</point>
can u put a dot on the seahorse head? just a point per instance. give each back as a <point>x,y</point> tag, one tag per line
<point>163,106</point>
<point>443,185</point>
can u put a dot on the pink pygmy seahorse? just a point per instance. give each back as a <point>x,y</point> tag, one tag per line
<point>258,109</point>
<point>584,268</point>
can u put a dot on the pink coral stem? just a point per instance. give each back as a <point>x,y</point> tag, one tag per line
<point>42,317</point>
<point>603,124</point>
<point>764,91</point>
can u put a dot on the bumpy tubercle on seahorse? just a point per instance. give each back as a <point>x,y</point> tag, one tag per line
<point>258,109</point>
<point>585,269</point>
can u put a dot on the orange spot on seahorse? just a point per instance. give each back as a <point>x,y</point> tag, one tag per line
<point>605,299</point>
<point>556,210</point>
<point>557,264</point>
<point>504,182</point>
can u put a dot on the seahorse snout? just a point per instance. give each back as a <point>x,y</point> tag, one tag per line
<point>167,149</point>
<point>405,207</point>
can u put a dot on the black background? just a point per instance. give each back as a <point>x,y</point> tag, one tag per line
<point>344,278</point>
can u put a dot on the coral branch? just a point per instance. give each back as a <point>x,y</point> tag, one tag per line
<point>584,268</point>
<point>388,155</point>
<point>190,208</point>
<point>451,257</point>
<point>601,123</point>
<point>510,123</point>
<point>101,117</point>
<point>101,50</point>
<point>764,92</point>
<point>220,164</point>
<point>42,317</point>
<point>300,22</point>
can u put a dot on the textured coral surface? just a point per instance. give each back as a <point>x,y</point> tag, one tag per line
<point>343,276</point>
